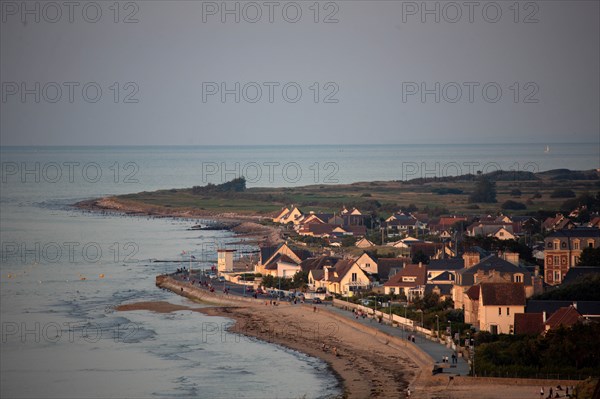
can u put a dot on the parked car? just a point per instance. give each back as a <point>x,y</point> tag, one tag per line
<point>212,275</point>
<point>317,300</point>
<point>249,289</point>
<point>222,279</point>
<point>320,290</point>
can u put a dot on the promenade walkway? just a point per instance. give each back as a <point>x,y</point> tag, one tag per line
<point>434,349</point>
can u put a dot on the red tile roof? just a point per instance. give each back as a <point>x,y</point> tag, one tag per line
<point>566,316</point>
<point>502,294</point>
<point>473,293</point>
<point>529,323</point>
<point>418,271</point>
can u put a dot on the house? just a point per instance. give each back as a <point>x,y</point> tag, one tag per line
<point>492,269</point>
<point>399,225</point>
<point>276,261</point>
<point>502,233</point>
<point>558,222</point>
<point>364,243</point>
<point>588,309</point>
<point>293,215</point>
<point>367,263</point>
<point>498,304</point>
<point>489,228</point>
<point>353,217</point>
<point>410,281</point>
<point>404,242</point>
<point>284,211</point>
<point>450,266</point>
<point>345,278</point>
<point>595,222</point>
<point>388,267</point>
<point>563,249</point>
<point>529,323</point>
<point>446,223</point>
<point>316,278</point>
<point>566,317</point>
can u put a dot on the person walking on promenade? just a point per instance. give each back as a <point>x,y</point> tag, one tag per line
<point>541,392</point>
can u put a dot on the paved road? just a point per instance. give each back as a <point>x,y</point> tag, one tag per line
<point>433,349</point>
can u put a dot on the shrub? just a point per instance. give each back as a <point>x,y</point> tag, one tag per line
<point>562,193</point>
<point>513,205</point>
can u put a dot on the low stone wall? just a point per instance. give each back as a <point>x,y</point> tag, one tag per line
<point>384,316</point>
<point>466,380</point>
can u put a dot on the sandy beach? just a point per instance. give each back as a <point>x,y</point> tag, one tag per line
<point>367,362</point>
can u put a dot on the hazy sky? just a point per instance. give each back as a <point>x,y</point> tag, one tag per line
<point>368,72</point>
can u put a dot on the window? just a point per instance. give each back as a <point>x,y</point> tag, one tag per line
<point>499,311</point>
<point>556,260</point>
<point>590,244</point>
<point>563,244</point>
<point>508,311</point>
<point>557,276</point>
<point>576,245</point>
<point>367,265</point>
<point>549,245</point>
<point>494,329</point>
<point>518,278</point>
<point>556,244</point>
<point>354,275</point>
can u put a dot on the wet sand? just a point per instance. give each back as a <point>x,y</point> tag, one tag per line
<point>367,364</point>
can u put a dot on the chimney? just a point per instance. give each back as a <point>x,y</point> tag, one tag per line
<point>471,259</point>
<point>512,257</point>
<point>536,273</point>
<point>575,305</point>
<point>326,273</point>
<point>420,264</point>
<point>544,316</point>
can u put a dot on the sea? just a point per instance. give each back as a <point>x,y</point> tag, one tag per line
<point>63,270</point>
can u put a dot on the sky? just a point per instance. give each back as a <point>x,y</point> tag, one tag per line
<point>303,72</point>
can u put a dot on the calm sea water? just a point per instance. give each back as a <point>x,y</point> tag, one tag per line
<point>63,270</point>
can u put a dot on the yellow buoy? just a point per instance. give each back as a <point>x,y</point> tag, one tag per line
<point>102,275</point>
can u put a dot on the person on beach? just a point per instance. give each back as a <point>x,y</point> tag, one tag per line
<point>314,309</point>
<point>541,392</point>
<point>408,392</point>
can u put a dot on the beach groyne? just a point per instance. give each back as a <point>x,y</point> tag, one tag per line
<point>188,290</point>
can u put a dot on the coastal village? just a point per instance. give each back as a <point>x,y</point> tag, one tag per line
<point>456,280</point>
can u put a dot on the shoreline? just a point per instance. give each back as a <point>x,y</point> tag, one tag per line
<point>369,363</point>
<point>360,352</point>
<point>243,226</point>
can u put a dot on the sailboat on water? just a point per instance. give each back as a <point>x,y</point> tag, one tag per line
<point>547,149</point>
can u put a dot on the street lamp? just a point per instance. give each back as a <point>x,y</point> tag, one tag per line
<point>390,305</point>
<point>437,320</point>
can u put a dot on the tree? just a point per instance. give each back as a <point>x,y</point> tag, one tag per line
<point>589,257</point>
<point>348,241</point>
<point>420,256</point>
<point>485,191</point>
